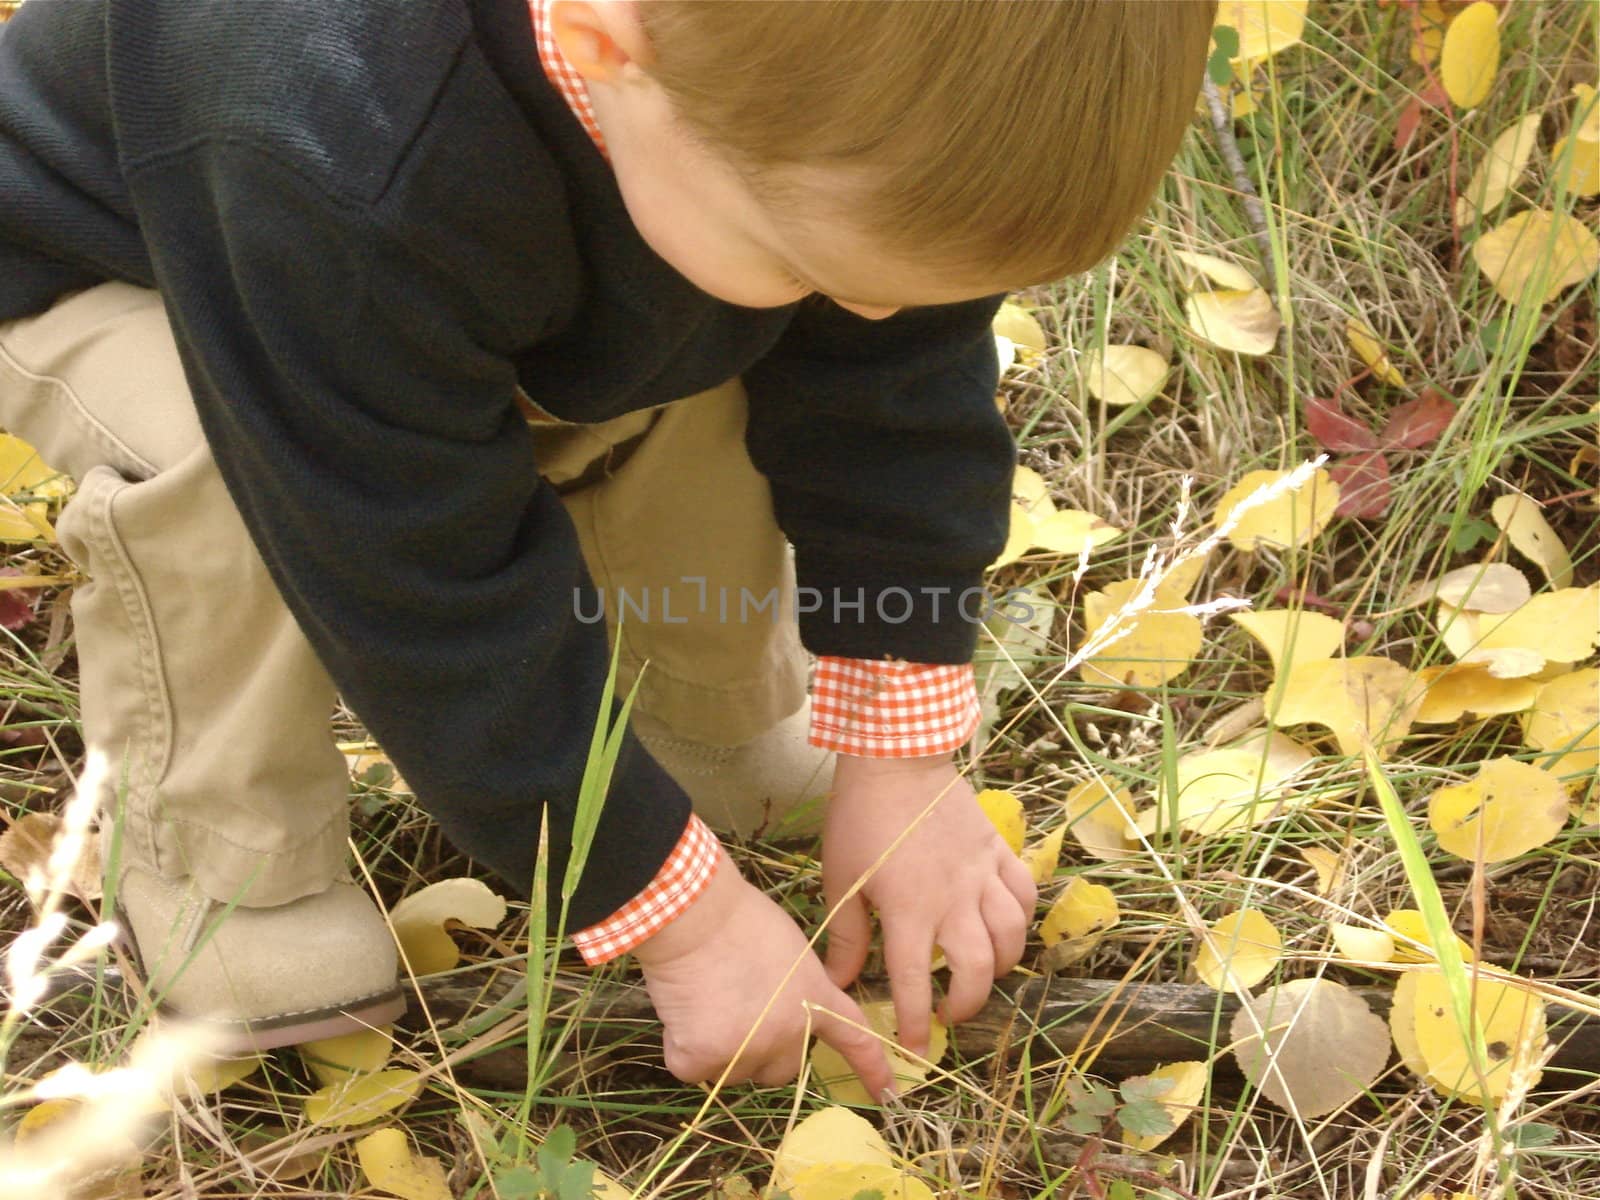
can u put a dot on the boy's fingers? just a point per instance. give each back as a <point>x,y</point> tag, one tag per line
<point>849,939</point>
<point>1019,883</point>
<point>860,1049</point>
<point>971,956</point>
<point>909,962</point>
<point>1008,926</point>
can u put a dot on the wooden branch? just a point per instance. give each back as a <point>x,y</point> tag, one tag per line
<point>1110,1028</point>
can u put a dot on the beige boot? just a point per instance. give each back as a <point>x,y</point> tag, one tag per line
<point>775,784</point>
<point>258,978</point>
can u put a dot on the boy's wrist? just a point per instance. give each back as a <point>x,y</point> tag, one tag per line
<point>700,921</point>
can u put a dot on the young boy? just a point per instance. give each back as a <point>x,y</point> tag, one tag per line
<point>387,339</point>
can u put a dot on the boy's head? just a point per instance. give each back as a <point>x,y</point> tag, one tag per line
<point>886,152</point>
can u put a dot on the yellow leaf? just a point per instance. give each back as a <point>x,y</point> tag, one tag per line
<point>1181,1099</point>
<point>1360,699</point>
<point>1512,1021</point>
<point>1327,865</point>
<point>387,1162</point>
<point>1020,327</point>
<point>1533,256</point>
<point>1083,908</point>
<point>333,1060</point>
<point>1483,587</point>
<point>1265,27</point>
<point>1310,1045</point>
<point>1403,1023</point>
<point>1245,322</point>
<point>1044,856</point>
<point>1124,375</point>
<point>1408,927</point>
<point>839,1083</point>
<point>1565,719</point>
<point>1470,56</point>
<point>1149,647</point>
<point>1239,951</point>
<point>1018,537</point>
<point>1430,37</point>
<point>1578,167</point>
<point>1100,818</point>
<point>1505,810</point>
<point>1366,344</point>
<point>1232,788</point>
<point>1182,576</point>
<point>1292,635</point>
<point>419,921</point>
<point>1070,531</point>
<point>1290,519</point>
<point>829,1135</point>
<point>1453,691</point>
<point>362,1098</point>
<point>1527,530</point>
<point>25,850</point>
<point>1362,944</point>
<point>24,473</point>
<point>1561,626</point>
<point>1500,169</point>
<point>1586,112</point>
<point>1030,491</point>
<point>1218,270</point>
<point>1005,813</point>
<point>847,1181</point>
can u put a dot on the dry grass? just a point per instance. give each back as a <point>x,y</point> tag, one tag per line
<point>1356,227</point>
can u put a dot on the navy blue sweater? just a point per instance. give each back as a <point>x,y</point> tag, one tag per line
<point>372,222</point>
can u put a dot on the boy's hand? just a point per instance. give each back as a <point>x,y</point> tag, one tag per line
<point>714,971</point>
<point>952,882</point>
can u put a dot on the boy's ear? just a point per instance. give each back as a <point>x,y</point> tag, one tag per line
<point>600,38</point>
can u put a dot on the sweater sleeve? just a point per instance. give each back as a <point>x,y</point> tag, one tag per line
<point>891,473</point>
<point>353,379</point>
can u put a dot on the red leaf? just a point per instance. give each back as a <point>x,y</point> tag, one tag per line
<point>1333,429</point>
<point>16,604</point>
<point>1432,96</point>
<point>1418,423</point>
<point>1363,481</point>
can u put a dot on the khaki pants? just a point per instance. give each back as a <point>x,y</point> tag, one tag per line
<point>197,682</point>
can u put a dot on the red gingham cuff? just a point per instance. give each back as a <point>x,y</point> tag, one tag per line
<point>892,709</point>
<point>677,885</point>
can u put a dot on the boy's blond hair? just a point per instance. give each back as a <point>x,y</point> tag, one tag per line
<point>1016,139</point>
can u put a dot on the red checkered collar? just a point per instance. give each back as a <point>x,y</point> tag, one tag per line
<point>560,73</point>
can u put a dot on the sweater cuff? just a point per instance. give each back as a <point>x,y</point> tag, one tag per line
<point>891,709</point>
<point>677,885</point>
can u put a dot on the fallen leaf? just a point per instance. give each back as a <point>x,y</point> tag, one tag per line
<point>1484,587</point>
<point>839,1083</point>
<point>1221,790</point>
<point>1360,943</point>
<point>419,921</point>
<point>1218,270</point>
<point>1290,519</point>
<point>1512,1023</point>
<point>1310,1045</point>
<point>1362,699</point>
<point>1454,691</point>
<point>1429,37</point>
<point>1245,322</point>
<point>1503,165</point>
<point>1291,635</point>
<point>856,1181</point>
<point>1470,56</point>
<point>390,1166</point>
<point>1188,1081</point>
<point>1577,163</point>
<point>1506,809</point>
<point>1239,951</point>
<point>1020,327</point>
<point>1004,811</point>
<point>333,1060</point>
<point>829,1135</point>
<point>1334,429</point>
<point>1044,856</point>
<point>1561,626</point>
<point>1265,27</point>
<point>25,850</point>
<point>1411,941</point>
<point>1151,646</point>
<point>79,1162</point>
<point>1124,375</point>
<point>1071,531</point>
<point>1328,867</point>
<point>1180,578</point>
<point>1413,424</point>
<point>362,1099</point>
<point>1535,255</point>
<point>1565,720</point>
<point>1083,912</point>
<point>1363,483</point>
<point>1526,529</point>
<point>1364,341</point>
<point>1100,818</point>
